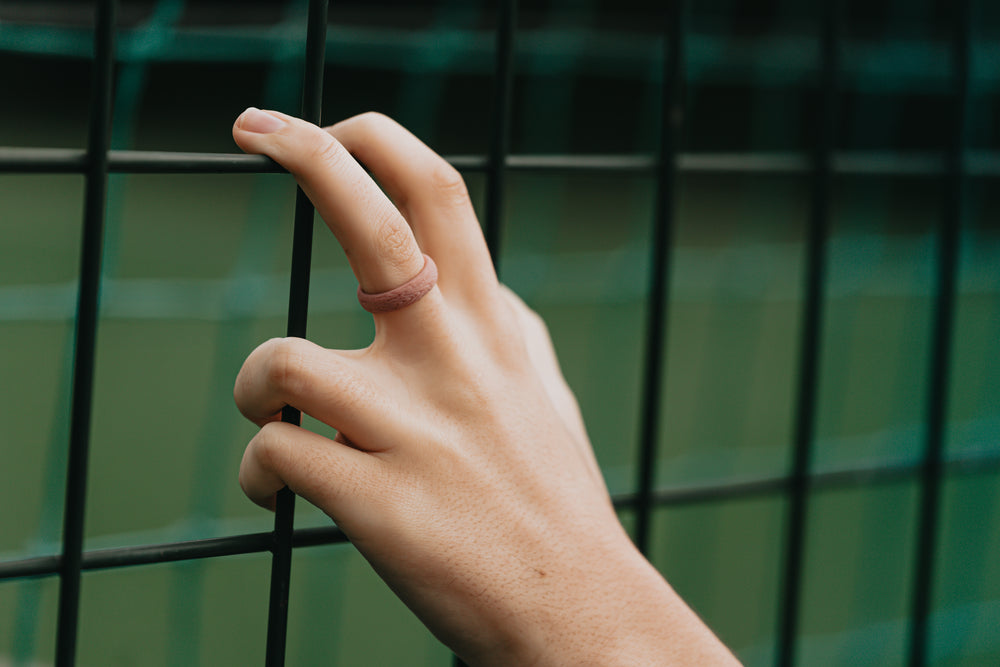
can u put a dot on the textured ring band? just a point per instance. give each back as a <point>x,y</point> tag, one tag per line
<point>408,293</point>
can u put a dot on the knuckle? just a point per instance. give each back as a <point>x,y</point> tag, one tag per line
<point>266,452</point>
<point>286,365</point>
<point>250,372</point>
<point>364,128</point>
<point>393,239</point>
<point>534,322</point>
<point>267,441</point>
<point>373,119</point>
<point>527,315</point>
<point>259,449</point>
<point>447,183</point>
<point>328,153</point>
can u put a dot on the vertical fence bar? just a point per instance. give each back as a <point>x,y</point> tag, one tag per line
<point>812,324</point>
<point>671,124</point>
<point>500,139</point>
<point>98,139</point>
<point>86,332</point>
<point>298,309</point>
<point>942,333</point>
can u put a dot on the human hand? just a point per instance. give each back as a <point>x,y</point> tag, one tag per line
<point>462,470</point>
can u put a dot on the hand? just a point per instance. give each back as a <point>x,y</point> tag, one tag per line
<point>461,470</point>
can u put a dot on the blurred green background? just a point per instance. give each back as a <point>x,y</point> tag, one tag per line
<point>195,276</point>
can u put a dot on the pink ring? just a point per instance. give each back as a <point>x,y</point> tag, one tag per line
<point>406,294</point>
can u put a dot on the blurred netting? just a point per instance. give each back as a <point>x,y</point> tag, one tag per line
<point>821,178</point>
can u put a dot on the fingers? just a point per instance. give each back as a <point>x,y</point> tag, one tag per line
<point>378,241</point>
<point>430,193</point>
<point>328,385</point>
<point>332,476</point>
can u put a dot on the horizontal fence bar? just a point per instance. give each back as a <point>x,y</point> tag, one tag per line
<point>42,566</point>
<point>71,161</point>
<point>170,552</point>
<point>851,163</point>
<point>829,479</point>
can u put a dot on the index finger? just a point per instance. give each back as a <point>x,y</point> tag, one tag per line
<point>377,240</point>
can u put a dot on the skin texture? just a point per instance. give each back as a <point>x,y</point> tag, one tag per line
<point>462,470</point>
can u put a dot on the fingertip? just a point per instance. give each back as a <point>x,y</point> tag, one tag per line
<point>253,128</point>
<point>259,121</point>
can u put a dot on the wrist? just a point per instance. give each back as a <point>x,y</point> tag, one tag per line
<point>604,604</point>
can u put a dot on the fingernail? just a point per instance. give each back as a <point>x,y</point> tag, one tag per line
<point>255,120</point>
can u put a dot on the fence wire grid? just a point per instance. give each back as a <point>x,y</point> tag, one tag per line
<point>303,41</point>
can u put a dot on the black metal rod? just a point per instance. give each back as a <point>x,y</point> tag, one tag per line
<point>654,371</point>
<point>281,570</point>
<point>38,566</point>
<point>86,333</point>
<point>876,473</point>
<point>178,551</point>
<point>500,140</point>
<point>810,347</point>
<point>298,310</point>
<point>852,163</point>
<point>931,477</point>
<point>149,554</point>
<point>854,476</point>
<point>162,162</point>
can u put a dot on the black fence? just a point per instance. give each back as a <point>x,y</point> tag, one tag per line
<point>821,164</point>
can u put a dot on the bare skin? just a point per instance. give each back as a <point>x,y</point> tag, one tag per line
<point>462,470</point>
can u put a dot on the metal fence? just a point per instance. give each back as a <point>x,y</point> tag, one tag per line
<point>821,164</point>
